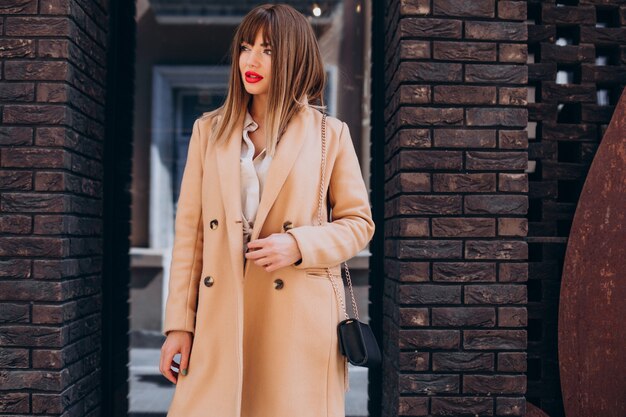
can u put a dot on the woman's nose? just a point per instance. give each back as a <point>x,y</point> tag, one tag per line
<point>253,59</point>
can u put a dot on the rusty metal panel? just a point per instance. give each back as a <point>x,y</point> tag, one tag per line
<point>533,411</point>
<point>592,332</point>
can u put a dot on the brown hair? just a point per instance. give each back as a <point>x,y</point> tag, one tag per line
<point>297,73</point>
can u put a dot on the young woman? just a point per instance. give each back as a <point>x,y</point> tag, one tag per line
<point>251,309</point>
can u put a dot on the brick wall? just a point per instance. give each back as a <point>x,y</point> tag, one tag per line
<point>455,208</point>
<point>53,60</point>
<point>577,72</point>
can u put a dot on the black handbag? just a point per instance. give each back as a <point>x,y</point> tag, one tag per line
<point>356,339</point>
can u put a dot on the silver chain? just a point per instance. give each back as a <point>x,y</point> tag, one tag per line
<point>319,221</point>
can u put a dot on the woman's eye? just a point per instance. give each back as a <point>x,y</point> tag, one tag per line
<point>268,51</point>
<point>243,47</point>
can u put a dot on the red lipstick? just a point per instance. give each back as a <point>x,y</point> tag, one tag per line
<point>252,77</point>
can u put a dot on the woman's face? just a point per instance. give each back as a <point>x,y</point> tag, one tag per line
<point>255,64</point>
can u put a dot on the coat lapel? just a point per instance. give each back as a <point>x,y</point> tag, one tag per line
<point>287,151</point>
<point>228,161</point>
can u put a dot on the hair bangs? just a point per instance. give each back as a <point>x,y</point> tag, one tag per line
<point>260,21</point>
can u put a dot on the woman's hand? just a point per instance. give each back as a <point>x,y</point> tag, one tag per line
<point>275,251</point>
<point>177,341</point>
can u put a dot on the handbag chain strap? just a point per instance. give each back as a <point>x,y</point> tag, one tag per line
<point>319,221</point>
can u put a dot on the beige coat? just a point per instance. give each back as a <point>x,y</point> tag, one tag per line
<point>262,349</point>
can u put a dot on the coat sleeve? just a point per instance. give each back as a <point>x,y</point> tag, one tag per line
<point>186,264</point>
<point>352,226</point>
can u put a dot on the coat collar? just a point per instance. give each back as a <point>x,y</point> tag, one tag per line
<point>228,154</point>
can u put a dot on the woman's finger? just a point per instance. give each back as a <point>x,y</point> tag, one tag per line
<point>184,359</point>
<point>166,358</point>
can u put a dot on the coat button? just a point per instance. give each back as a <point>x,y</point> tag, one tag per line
<point>287,225</point>
<point>208,280</point>
<point>213,224</point>
<point>278,284</point>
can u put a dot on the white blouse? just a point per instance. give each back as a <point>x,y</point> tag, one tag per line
<point>253,173</point>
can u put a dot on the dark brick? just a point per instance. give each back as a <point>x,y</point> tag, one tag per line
<point>20,335</point>
<point>428,72</point>
<point>54,48</point>
<point>414,361</point>
<point>496,204</point>
<point>428,384</point>
<point>14,313</point>
<point>512,317</point>
<point>428,249</point>
<point>512,227</point>
<point>414,49</point>
<point>51,359</point>
<point>512,361</point>
<point>580,14</point>
<point>55,6</point>
<point>13,358</point>
<point>34,202</point>
<point>486,73</point>
<point>494,339</point>
<point>509,182</point>
<point>10,135</point>
<point>427,204</point>
<point>14,402</point>
<point>407,271</point>
<point>15,180</point>
<point>464,271</point>
<point>17,91</point>
<point>416,116</point>
<point>429,294</point>
<point>407,227</point>
<point>429,339</point>
<point>431,160</point>
<point>513,272</point>
<point>463,227</point>
<point>464,51</point>
<point>39,380</point>
<point>495,294</point>
<point>500,249</point>
<point>37,26</point>
<point>17,48</point>
<point>414,317</point>
<point>513,52</point>
<point>487,116</point>
<point>465,94</point>
<point>462,361</point>
<point>513,139</point>
<point>33,246</point>
<point>512,10</point>
<point>508,406</point>
<point>513,96</point>
<point>35,158</point>
<point>36,70</point>
<point>498,31</point>
<point>475,8</point>
<point>412,406</point>
<point>464,138</point>
<point>430,28</point>
<point>15,268</point>
<point>462,406</point>
<point>494,384</point>
<point>30,290</point>
<point>464,183</point>
<point>407,182</point>
<point>463,316</point>
<point>35,114</point>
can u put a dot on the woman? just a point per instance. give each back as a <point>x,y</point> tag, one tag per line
<point>256,328</point>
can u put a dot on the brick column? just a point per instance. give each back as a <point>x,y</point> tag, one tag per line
<point>54,59</point>
<point>456,205</point>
